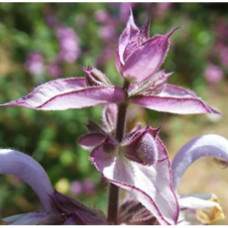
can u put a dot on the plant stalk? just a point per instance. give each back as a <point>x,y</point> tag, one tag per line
<point>113,201</point>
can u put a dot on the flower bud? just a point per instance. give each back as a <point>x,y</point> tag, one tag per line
<point>142,149</point>
<point>94,77</point>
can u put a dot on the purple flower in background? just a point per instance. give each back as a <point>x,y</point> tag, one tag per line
<point>220,49</point>
<point>108,33</point>
<point>213,74</point>
<point>84,187</point>
<point>54,69</point>
<point>88,187</point>
<point>76,187</point>
<point>108,28</point>
<point>224,56</point>
<point>125,9</point>
<point>102,16</point>
<point>221,28</point>
<point>160,10</point>
<point>35,63</point>
<point>56,208</point>
<point>106,54</point>
<point>69,49</point>
<point>50,19</point>
<point>110,24</point>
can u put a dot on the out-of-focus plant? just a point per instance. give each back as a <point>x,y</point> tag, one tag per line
<point>69,51</point>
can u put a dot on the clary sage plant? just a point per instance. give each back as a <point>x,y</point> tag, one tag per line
<point>136,161</point>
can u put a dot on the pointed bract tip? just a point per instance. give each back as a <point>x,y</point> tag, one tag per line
<point>213,111</point>
<point>131,20</point>
<point>168,74</point>
<point>172,31</point>
<point>84,69</point>
<point>130,13</point>
<point>153,131</point>
<point>145,29</point>
<point>89,68</point>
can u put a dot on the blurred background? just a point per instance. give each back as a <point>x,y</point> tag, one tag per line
<point>45,41</point>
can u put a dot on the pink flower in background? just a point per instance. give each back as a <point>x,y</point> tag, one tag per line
<point>224,56</point>
<point>107,31</point>
<point>76,187</point>
<point>54,69</point>
<point>34,63</point>
<point>88,187</point>
<point>109,27</point>
<point>50,20</point>
<point>220,49</point>
<point>85,187</point>
<point>213,74</point>
<point>222,52</point>
<point>221,28</point>
<point>124,10</point>
<point>69,49</point>
<point>160,10</point>
<point>104,17</point>
<point>106,54</point>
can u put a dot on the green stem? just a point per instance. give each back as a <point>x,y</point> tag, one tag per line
<point>113,200</point>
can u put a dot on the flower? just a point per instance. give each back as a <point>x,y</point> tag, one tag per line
<point>54,68</point>
<point>35,63</point>
<point>138,57</point>
<point>85,187</point>
<point>69,49</point>
<point>199,208</point>
<point>109,26</point>
<point>213,74</point>
<point>57,208</point>
<point>138,164</point>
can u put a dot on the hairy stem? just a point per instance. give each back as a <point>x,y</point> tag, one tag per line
<point>119,134</point>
